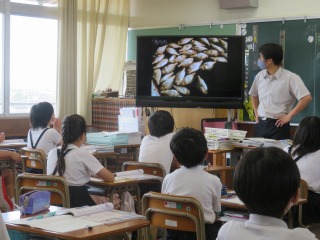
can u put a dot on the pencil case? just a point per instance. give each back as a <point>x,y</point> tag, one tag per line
<point>34,202</point>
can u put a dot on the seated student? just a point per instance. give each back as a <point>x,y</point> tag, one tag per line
<point>7,197</point>
<point>305,151</point>
<point>3,230</point>
<point>155,148</point>
<point>41,136</point>
<point>189,147</point>
<point>267,181</point>
<point>75,164</point>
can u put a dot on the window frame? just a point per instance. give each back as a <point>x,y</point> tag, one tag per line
<point>8,8</point>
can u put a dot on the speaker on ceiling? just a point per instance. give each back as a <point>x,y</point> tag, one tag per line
<point>231,4</point>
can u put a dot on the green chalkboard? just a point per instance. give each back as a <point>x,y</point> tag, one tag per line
<point>225,29</point>
<point>301,43</point>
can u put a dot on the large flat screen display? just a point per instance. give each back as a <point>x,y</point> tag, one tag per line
<point>190,71</point>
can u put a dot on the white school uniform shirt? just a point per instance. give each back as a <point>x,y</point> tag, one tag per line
<point>49,140</point>
<point>3,230</point>
<point>157,150</point>
<point>262,227</point>
<point>197,183</point>
<point>277,93</point>
<point>309,168</point>
<point>80,165</point>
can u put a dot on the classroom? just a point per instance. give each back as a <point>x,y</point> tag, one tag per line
<point>76,51</point>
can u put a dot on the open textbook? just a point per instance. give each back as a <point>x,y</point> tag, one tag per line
<point>71,219</point>
<point>131,174</point>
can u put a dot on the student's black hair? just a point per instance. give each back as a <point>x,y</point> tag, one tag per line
<point>160,123</point>
<point>265,180</point>
<point>307,136</point>
<point>273,51</point>
<point>189,146</point>
<point>73,127</point>
<point>40,115</point>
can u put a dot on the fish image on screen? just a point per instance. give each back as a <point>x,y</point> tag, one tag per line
<point>180,67</point>
<point>190,71</point>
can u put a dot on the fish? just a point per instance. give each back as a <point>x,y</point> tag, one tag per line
<point>167,84</point>
<point>174,45</point>
<point>171,93</point>
<point>224,55</point>
<point>158,58</point>
<point>186,47</point>
<point>161,50</point>
<point>194,67</point>
<point>214,40</point>
<point>200,56</point>
<point>182,90</point>
<point>169,68</point>
<point>219,59</point>
<point>196,43</point>
<point>157,75</point>
<point>189,52</point>
<point>224,43</point>
<point>220,49</point>
<point>180,76</point>
<point>199,48</point>
<point>154,90</point>
<point>205,41</point>
<point>187,80</point>
<point>172,58</point>
<point>165,77</point>
<point>201,84</point>
<point>172,51</point>
<point>183,41</point>
<point>186,62</point>
<point>180,58</point>
<point>207,65</point>
<point>162,63</point>
<point>212,52</point>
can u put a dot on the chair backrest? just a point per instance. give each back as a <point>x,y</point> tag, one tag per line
<point>148,168</point>
<point>216,123</point>
<point>303,189</point>
<point>174,212</point>
<point>57,185</point>
<point>33,158</point>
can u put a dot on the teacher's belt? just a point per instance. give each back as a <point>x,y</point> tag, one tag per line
<point>266,119</point>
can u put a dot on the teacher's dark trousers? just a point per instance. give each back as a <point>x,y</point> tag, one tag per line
<point>268,129</point>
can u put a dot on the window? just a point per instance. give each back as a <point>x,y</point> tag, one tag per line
<point>28,59</point>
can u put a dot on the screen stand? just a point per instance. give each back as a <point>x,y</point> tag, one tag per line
<point>228,124</point>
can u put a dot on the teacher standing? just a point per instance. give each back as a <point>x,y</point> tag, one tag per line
<point>274,93</point>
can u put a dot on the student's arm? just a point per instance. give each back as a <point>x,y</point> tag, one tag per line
<point>255,104</point>
<point>12,155</point>
<point>106,175</point>
<point>302,104</point>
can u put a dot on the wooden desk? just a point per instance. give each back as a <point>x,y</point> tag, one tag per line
<point>17,146</point>
<point>243,207</point>
<point>97,232</point>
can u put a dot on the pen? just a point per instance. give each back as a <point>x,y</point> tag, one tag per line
<point>50,214</point>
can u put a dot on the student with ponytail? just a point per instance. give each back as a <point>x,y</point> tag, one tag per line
<point>75,164</point>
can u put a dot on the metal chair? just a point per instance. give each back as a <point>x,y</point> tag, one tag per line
<point>57,185</point>
<point>34,159</point>
<point>173,212</point>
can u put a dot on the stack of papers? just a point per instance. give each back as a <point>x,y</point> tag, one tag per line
<point>114,138</point>
<point>98,148</point>
<point>234,200</point>
<point>263,142</point>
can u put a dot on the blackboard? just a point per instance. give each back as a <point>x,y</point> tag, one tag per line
<point>301,42</point>
<point>225,29</point>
